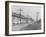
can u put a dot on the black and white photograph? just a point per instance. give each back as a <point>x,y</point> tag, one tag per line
<point>25,18</point>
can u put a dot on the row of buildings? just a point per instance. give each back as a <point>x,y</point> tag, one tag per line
<point>21,19</point>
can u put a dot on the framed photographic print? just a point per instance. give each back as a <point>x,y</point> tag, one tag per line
<point>24,18</point>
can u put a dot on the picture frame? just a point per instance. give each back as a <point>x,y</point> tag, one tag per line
<point>16,23</point>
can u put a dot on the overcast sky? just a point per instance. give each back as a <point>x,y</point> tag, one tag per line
<point>30,10</point>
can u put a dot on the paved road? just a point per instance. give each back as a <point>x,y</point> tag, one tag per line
<point>19,27</point>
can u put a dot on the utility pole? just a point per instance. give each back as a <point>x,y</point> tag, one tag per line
<point>20,10</point>
<point>37,16</point>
